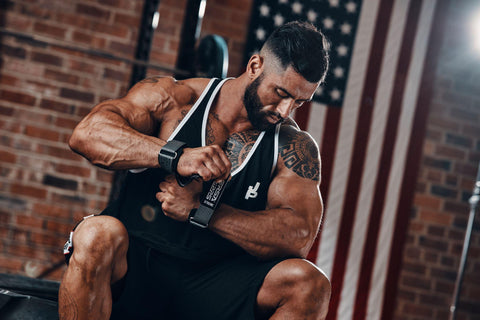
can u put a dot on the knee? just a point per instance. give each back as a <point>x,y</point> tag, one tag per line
<point>306,281</point>
<point>98,239</point>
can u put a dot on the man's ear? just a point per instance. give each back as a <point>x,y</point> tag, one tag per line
<point>255,66</point>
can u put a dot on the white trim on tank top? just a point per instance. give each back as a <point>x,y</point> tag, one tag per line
<point>184,120</point>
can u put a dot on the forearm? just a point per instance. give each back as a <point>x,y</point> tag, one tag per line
<point>108,141</point>
<point>267,234</point>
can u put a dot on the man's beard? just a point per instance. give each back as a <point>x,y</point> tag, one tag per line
<point>251,100</point>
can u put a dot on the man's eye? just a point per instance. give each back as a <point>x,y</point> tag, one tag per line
<point>281,94</point>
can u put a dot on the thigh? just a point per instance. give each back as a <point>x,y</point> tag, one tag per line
<point>227,290</point>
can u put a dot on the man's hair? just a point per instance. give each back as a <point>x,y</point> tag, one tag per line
<point>302,46</point>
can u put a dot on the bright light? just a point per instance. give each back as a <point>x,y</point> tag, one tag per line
<point>476,31</point>
<point>155,19</point>
<point>201,10</point>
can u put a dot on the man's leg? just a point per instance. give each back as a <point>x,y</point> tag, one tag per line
<point>98,260</point>
<point>294,289</point>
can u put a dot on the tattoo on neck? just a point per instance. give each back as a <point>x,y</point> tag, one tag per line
<point>238,145</point>
<point>300,155</point>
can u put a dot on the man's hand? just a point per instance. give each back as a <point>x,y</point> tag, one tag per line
<point>208,162</point>
<point>177,202</point>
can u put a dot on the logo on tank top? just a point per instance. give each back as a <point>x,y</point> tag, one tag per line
<point>252,191</point>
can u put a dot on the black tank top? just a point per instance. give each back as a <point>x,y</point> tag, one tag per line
<point>141,212</point>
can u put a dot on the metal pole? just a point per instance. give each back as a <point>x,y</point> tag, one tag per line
<point>473,201</point>
<point>192,22</point>
<point>145,37</point>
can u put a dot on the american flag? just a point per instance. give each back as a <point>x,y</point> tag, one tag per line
<point>337,19</point>
<point>371,146</point>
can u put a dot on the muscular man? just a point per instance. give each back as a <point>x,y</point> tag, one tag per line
<point>150,255</point>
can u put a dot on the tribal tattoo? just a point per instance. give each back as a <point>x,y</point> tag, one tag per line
<point>300,154</point>
<point>238,145</point>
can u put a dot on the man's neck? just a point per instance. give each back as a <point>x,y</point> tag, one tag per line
<point>230,108</point>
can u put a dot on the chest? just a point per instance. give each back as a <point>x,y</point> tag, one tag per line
<point>202,130</point>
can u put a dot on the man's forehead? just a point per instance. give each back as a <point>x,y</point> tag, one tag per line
<point>291,81</point>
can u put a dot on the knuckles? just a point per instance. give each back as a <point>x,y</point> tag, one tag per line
<point>210,162</point>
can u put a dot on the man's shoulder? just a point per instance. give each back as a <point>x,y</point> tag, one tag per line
<point>195,84</point>
<point>182,91</point>
<point>298,151</point>
<point>290,133</point>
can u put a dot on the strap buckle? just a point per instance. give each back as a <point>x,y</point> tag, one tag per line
<point>169,154</point>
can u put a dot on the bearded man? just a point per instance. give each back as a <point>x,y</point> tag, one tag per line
<point>221,204</point>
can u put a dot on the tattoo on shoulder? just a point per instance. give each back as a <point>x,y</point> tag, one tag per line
<point>183,114</point>
<point>238,145</point>
<point>300,154</point>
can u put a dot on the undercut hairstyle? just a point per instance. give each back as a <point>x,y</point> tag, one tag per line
<point>302,46</point>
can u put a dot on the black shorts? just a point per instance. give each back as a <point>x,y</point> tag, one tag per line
<point>158,286</point>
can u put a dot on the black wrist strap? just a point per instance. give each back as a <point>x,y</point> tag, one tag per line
<point>169,155</point>
<point>201,217</point>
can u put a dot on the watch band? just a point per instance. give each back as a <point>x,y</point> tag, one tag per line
<point>201,217</point>
<point>169,155</point>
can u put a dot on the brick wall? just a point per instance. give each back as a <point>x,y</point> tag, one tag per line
<point>229,19</point>
<point>451,154</point>
<point>45,89</point>
<point>166,38</point>
<point>48,82</point>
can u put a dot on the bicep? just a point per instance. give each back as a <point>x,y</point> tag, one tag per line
<point>299,195</point>
<point>297,178</point>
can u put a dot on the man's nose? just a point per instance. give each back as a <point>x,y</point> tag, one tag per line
<point>285,107</point>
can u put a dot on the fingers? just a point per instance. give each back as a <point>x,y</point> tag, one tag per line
<point>167,190</point>
<point>221,161</point>
<point>209,162</point>
<point>162,196</point>
<point>168,203</point>
<point>167,184</point>
<point>177,202</point>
